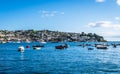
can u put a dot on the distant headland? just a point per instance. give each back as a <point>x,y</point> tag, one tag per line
<point>47,36</point>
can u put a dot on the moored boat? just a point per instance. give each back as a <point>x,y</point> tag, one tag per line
<point>62,46</point>
<point>21,49</point>
<point>83,45</point>
<point>37,47</point>
<point>43,42</point>
<point>101,46</point>
<point>59,47</point>
<point>2,42</point>
<point>114,45</point>
<point>90,48</point>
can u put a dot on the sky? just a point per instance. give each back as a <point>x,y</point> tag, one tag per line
<point>90,16</point>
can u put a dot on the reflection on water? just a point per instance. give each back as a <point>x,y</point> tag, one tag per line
<point>21,56</point>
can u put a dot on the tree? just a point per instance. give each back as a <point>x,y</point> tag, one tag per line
<point>82,34</point>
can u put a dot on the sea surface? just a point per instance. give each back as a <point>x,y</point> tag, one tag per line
<point>48,60</point>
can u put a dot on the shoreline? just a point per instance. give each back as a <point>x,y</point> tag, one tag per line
<point>48,36</point>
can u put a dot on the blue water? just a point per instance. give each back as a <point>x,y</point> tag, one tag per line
<point>73,60</point>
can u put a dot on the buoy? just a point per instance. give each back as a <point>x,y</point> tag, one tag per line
<point>28,46</point>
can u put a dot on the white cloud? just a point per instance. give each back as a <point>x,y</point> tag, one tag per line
<point>117,18</point>
<point>118,2</point>
<point>45,13</point>
<point>62,13</point>
<point>110,33</point>
<point>107,29</point>
<point>104,24</point>
<point>100,1</point>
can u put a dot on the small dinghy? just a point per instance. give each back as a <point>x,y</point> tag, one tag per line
<point>21,49</point>
<point>90,48</point>
<point>37,47</point>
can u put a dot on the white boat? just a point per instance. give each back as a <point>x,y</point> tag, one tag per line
<point>43,42</point>
<point>36,48</point>
<point>3,42</point>
<point>101,47</point>
<point>21,49</point>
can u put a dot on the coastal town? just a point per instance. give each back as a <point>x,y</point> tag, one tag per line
<point>47,36</point>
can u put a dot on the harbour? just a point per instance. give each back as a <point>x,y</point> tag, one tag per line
<point>59,37</point>
<point>74,59</point>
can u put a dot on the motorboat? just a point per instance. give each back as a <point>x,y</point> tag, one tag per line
<point>100,46</point>
<point>37,47</point>
<point>21,49</point>
<point>43,42</point>
<point>62,46</point>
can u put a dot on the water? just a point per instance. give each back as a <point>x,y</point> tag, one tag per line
<point>73,60</point>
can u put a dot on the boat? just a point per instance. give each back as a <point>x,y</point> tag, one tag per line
<point>37,47</point>
<point>90,48</point>
<point>62,46</point>
<point>59,47</point>
<point>21,49</point>
<point>114,45</point>
<point>43,42</point>
<point>100,46</point>
<point>83,45</point>
<point>2,42</point>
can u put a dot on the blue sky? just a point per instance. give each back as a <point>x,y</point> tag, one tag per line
<point>96,16</point>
